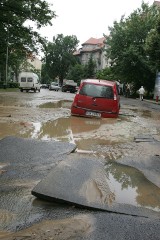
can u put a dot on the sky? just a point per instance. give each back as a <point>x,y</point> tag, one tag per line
<point>88,18</point>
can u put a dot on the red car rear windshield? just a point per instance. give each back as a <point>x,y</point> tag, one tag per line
<point>99,91</point>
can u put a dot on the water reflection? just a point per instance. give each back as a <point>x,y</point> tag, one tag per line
<point>87,133</point>
<point>57,130</point>
<point>62,129</point>
<point>84,132</point>
<point>131,187</point>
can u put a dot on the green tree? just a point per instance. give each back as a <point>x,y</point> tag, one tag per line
<point>45,78</point>
<point>89,69</point>
<point>76,73</point>
<point>126,47</point>
<point>153,47</point>
<point>59,56</point>
<point>107,74</point>
<point>16,35</point>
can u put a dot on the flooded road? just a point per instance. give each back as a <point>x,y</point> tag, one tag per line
<point>46,116</point>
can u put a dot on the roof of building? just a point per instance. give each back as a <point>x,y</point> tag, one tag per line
<point>97,43</point>
<point>94,41</point>
<point>157,3</point>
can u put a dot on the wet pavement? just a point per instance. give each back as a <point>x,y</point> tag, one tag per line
<point>131,168</point>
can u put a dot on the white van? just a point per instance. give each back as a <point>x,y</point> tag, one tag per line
<point>29,81</point>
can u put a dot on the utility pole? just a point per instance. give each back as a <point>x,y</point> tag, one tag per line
<point>6,79</point>
<point>6,66</point>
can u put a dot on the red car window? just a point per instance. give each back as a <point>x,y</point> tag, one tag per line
<point>99,91</point>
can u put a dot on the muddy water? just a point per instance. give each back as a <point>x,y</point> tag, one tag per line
<point>88,134</point>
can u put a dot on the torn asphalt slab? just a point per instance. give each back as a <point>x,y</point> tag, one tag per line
<point>83,183</point>
<point>30,158</point>
<point>26,151</point>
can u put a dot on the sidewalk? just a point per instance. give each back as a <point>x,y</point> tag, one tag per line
<point>152,101</point>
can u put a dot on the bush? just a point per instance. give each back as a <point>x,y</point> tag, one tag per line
<point>9,84</point>
<point>13,85</point>
<point>2,85</point>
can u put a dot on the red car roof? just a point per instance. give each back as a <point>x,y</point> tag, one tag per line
<point>100,81</point>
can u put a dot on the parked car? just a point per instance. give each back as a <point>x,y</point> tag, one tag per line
<point>54,86</point>
<point>44,85</point>
<point>96,98</point>
<point>69,86</point>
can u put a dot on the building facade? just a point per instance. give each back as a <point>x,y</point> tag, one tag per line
<point>35,62</point>
<point>93,48</point>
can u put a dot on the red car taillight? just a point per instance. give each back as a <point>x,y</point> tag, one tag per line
<point>115,97</point>
<point>115,93</point>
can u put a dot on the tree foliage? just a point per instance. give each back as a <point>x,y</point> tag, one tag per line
<point>15,34</point>
<point>76,73</point>
<point>153,46</point>
<point>107,74</point>
<point>59,56</point>
<point>90,68</point>
<point>127,47</point>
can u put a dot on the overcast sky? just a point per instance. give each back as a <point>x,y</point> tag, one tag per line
<point>88,18</point>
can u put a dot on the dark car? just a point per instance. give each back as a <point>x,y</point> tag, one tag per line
<point>69,88</point>
<point>96,98</point>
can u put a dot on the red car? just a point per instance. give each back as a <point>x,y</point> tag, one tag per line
<point>96,98</point>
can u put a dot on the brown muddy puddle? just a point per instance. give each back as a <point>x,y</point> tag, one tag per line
<point>69,129</point>
<point>89,134</point>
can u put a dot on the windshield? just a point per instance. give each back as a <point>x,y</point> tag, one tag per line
<point>99,91</point>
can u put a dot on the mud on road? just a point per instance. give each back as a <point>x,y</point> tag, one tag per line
<point>132,167</point>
